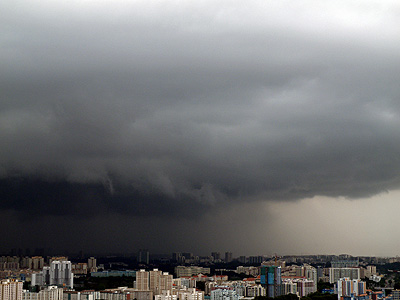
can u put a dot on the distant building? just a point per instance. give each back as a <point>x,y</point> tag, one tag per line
<point>155,281</point>
<point>59,273</point>
<point>370,271</point>
<point>183,271</point>
<point>345,263</point>
<point>228,257</point>
<point>92,264</point>
<point>216,255</point>
<point>242,259</point>
<point>252,271</point>
<point>273,262</point>
<point>177,257</point>
<point>80,268</point>
<point>114,273</point>
<point>337,273</point>
<point>26,263</point>
<point>37,263</point>
<point>143,256</point>
<point>256,259</point>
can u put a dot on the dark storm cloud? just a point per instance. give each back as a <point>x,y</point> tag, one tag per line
<point>166,107</point>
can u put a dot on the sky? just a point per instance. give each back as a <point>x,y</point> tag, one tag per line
<point>256,127</point>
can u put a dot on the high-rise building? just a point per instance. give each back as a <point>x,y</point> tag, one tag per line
<point>228,257</point>
<point>26,263</point>
<point>160,281</point>
<point>187,255</point>
<point>11,289</point>
<point>165,282</point>
<point>305,287</point>
<point>256,259</point>
<point>177,257</point>
<point>242,259</point>
<point>142,281</point>
<point>216,255</point>
<point>346,287</point>
<point>92,264</point>
<point>59,273</point>
<point>336,273</point>
<point>270,278</point>
<point>310,273</point>
<point>155,281</point>
<point>345,263</point>
<point>143,256</point>
<point>37,263</point>
<point>184,271</point>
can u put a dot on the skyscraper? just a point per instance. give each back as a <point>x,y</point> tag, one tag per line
<point>271,279</point>
<point>92,264</point>
<point>59,273</point>
<point>228,257</point>
<point>143,256</point>
<point>11,289</point>
<point>142,280</point>
<point>216,255</point>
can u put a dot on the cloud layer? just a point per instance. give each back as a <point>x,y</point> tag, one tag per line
<point>174,107</point>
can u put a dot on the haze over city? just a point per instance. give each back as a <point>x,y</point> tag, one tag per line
<point>256,127</point>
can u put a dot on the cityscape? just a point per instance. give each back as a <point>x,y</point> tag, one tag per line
<point>186,276</point>
<point>199,150</point>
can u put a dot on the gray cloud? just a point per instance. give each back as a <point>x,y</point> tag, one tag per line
<point>166,108</point>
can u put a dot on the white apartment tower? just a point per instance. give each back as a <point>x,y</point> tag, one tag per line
<point>142,280</point>
<point>59,273</point>
<point>155,281</point>
<point>11,289</point>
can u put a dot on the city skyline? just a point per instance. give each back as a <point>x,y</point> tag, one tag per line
<point>258,127</point>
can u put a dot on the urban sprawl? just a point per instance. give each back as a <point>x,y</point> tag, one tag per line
<point>184,276</point>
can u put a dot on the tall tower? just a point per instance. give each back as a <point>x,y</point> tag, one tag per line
<point>142,280</point>
<point>60,274</point>
<point>155,281</point>
<point>92,264</point>
<point>271,280</point>
<point>228,257</point>
<point>143,256</point>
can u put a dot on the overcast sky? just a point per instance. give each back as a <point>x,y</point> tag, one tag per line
<point>257,127</point>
